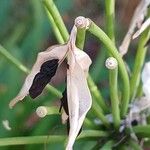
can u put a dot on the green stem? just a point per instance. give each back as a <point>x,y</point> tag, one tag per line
<point>134,145</point>
<point>110,18</point>
<point>55,29</point>
<point>88,123</point>
<point>96,109</point>
<point>108,145</point>
<point>92,133</point>
<point>94,29</point>
<point>113,73</point>
<point>113,77</point>
<point>142,131</point>
<point>80,38</point>
<point>139,61</point>
<point>31,140</point>
<point>49,4</point>
<point>47,138</point>
<point>98,65</point>
<point>97,94</point>
<point>24,69</point>
<point>13,60</point>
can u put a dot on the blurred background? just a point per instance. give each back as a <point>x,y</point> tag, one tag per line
<point>24,31</point>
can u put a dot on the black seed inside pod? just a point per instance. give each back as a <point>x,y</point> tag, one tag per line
<point>41,79</point>
<point>64,104</point>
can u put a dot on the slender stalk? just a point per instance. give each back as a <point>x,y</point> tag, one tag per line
<point>96,109</point>
<point>139,61</point>
<point>49,4</point>
<point>135,145</point>
<point>31,140</point>
<point>110,18</point>
<point>114,96</point>
<point>47,138</point>
<point>94,29</point>
<point>55,29</point>
<point>24,69</point>
<point>98,65</point>
<point>113,73</point>
<point>88,123</point>
<point>108,145</point>
<point>142,130</point>
<point>97,94</point>
<point>13,60</point>
<point>92,133</point>
<point>80,38</point>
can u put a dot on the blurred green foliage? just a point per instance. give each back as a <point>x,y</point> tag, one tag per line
<point>24,32</point>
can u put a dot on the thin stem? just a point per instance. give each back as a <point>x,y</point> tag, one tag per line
<point>135,145</point>
<point>140,130</point>
<point>108,145</point>
<point>92,133</point>
<point>139,61</point>
<point>80,38</point>
<point>98,65</point>
<point>113,77</point>
<point>13,60</point>
<point>110,18</point>
<point>97,94</point>
<point>88,123</point>
<point>50,5</point>
<point>24,69</point>
<point>47,138</point>
<point>96,109</point>
<point>113,73</point>
<point>31,140</point>
<point>55,29</point>
<point>94,29</point>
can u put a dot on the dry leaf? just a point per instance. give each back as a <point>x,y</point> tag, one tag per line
<point>136,21</point>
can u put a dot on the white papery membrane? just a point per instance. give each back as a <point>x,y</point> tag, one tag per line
<point>78,95</point>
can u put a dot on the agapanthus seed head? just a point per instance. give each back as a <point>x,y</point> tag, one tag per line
<point>41,111</point>
<point>82,22</point>
<point>111,63</point>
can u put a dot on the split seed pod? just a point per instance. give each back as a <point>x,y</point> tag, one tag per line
<point>76,100</point>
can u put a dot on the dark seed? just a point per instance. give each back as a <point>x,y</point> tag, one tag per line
<point>64,102</point>
<point>68,127</point>
<point>134,123</point>
<point>47,71</point>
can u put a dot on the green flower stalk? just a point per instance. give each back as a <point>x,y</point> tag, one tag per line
<point>95,30</point>
<point>112,64</point>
